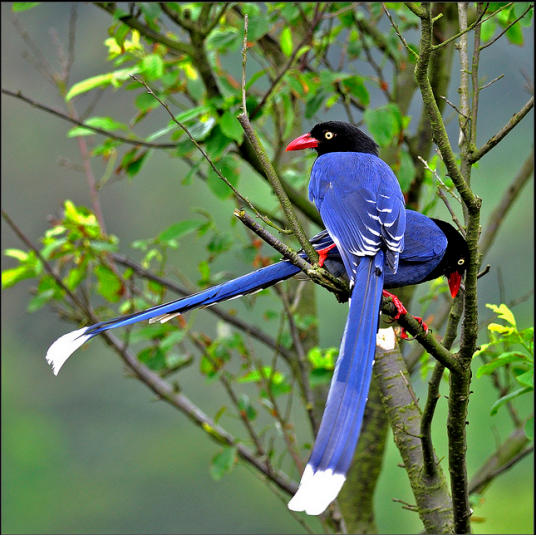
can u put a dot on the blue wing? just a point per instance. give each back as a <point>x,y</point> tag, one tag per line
<point>361,204</point>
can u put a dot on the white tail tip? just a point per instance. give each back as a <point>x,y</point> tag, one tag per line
<point>316,491</point>
<point>64,347</point>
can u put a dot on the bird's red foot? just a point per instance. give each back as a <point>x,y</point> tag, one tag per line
<point>323,254</point>
<point>404,334</point>
<point>400,308</point>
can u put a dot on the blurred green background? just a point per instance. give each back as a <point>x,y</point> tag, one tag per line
<point>89,451</point>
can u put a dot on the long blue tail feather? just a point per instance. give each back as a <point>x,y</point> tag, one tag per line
<point>339,430</point>
<point>62,348</point>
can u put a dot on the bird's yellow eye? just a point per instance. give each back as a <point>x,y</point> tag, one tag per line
<point>461,261</point>
<point>329,135</point>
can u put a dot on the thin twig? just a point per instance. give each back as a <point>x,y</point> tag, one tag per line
<point>492,82</point>
<point>470,27</point>
<point>278,189</point>
<point>453,106</point>
<point>61,115</point>
<point>244,58</point>
<point>318,275</point>
<point>303,369</point>
<point>400,36</point>
<point>308,34</point>
<point>497,138</point>
<point>442,195</point>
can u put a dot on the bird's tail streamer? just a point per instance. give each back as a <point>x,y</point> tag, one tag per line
<point>248,284</point>
<point>339,430</point>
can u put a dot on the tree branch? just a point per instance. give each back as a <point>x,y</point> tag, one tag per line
<point>65,117</point>
<point>508,198</point>
<point>511,451</point>
<point>174,46</point>
<point>499,136</point>
<point>431,493</point>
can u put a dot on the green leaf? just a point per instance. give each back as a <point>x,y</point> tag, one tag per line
<point>109,286</point>
<point>101,80</point>
<point>23,6</point>
<point>193,113</point>
<point>526,379</point>
<point>320,377</point>
<point>224,39</point>
<point>40,300</point>
<point>180,229</point>
<point>258,25</point>
<point>254,78</point>
<point>502,360</point>
<point>17,253</point>
<point>406,171</point>
<point>121,34</point>
<point>323,359</point>
<point>201,129</point>
<point>115,78</point>
<point>244,404</point>
<point>79,131</point>
<point>106,123</point>
<point>10,277</point>
<point>153,357</point>
<point>285,41</point>
<point>152,66</point>
<point>519,9</point>
<point>223,462</point>
<point>384,123</point>
<point>509,397</point>
<point>314,104</point>
<point>515,35</point>
<point>76,276</point>
<point>488,29</point>
<point>228,168</point>
<point>251,9</point>
<point>230,126</point>
<point>504,313</point>
<point>135,165</point>
<point>356,87</point>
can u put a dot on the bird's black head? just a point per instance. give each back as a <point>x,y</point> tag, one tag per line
<point>335,136</point>
<point>456,257</point>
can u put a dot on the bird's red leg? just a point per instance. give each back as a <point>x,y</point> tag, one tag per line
<point>323,254</point>
<point>401,309</point>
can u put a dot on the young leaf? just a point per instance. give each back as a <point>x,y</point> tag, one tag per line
<point>223,462</point>
<point>23,6</point>
<point>285,41</point>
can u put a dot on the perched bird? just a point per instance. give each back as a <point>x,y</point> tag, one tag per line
<point>363,209</point>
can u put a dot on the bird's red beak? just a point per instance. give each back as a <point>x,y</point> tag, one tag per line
<point>303,142</point>
<point>454,283</point>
